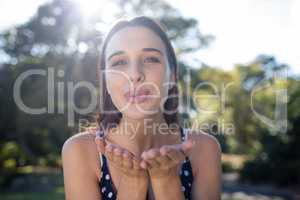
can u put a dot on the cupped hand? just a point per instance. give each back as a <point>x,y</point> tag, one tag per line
<point>159,162</point>
<point>165,161</point>
<point>120,157</point>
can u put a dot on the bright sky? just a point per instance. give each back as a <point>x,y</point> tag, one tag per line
<point>243,28</point>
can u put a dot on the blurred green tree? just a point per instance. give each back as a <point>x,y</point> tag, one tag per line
<point>58,37</point>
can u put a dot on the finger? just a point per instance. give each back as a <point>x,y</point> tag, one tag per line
<point>152,163</point>
<point>118,158</point>
<point>164,160</point>
<point>175,155</point>
<point>137,164</point>
<point>165,149</point>
<point>149,156</point>
<point>127,160</point>
<point>100,142</point>
<point>186,146</point>
<point>107,141</point>
<point>109,152</point>
<point>144,165</point>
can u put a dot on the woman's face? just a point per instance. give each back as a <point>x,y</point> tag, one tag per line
<point>137,72</point>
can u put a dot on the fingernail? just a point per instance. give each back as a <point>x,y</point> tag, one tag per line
<point>144,165</point>
<point>144,157</point>
<point>117,151</point>
<point>125,155</point>
<point>109,148</point>
<point>163,151</point>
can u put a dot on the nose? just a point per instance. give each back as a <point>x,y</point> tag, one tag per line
<point>136,73</point>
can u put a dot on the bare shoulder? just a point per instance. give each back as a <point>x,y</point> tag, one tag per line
<point>207,149</point>
<point>204,141</point>
<point>79,139</point>
<point>82,143</point>
<point>82,147</point>
<point>81,167</point>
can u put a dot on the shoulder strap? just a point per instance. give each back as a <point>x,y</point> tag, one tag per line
<point>105,171</point>
<point>183,133</point>
<point>102,164</point>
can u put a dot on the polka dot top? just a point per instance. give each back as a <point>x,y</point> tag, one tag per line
<point>108,189</point>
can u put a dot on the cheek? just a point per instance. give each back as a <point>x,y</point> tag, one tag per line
<point>114,79</point>
<point>115,85</point>
<point>160,80</point>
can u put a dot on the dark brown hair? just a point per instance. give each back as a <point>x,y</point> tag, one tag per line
<point>108,119</point>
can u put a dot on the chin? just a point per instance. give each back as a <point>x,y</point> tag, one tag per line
<point>135,116</point>
<point>138,113</point>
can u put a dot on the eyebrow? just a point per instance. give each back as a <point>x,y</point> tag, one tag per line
<point>144,49</point>
<point>152,49</point>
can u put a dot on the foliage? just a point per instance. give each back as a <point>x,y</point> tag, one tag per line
<point>59,38</point>
<point>279,159</point>
<point>54,39</point>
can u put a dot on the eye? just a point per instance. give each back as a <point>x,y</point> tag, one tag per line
<point>119,62</point>
<point>152,59</point>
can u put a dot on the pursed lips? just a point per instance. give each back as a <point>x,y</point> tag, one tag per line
<point>137,96</point>
<point>139,93</point>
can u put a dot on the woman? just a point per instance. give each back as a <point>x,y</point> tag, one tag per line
<point>144,153</point>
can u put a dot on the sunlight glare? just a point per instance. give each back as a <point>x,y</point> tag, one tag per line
<point>89,7</point>
<point>100,8</point>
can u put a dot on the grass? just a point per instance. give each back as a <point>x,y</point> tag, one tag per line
<point>33,179</point>
<point>32,196</point>
<point>236,161</point>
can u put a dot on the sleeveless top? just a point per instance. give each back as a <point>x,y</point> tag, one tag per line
<point>108,189</point>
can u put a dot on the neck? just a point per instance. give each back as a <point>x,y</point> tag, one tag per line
<point>142,134</point>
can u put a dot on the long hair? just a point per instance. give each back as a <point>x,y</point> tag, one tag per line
<point>106,120</point>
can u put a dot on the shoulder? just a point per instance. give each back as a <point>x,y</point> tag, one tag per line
<point>82,143</point>
<point>204,141</point>
<point>207,150</point>
<point>81,149</point>
<point>78,140</point>
<point>205,158</point>
<point>81,168</point>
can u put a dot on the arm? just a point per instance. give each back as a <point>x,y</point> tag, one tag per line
<point>206,162</point>
<point>80,177</point>
<point>164,164</point>
<point>133,182</point>
<point>167,188</point>
<point>132,188</point>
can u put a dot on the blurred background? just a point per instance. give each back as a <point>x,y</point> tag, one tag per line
<point>239,69</point>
